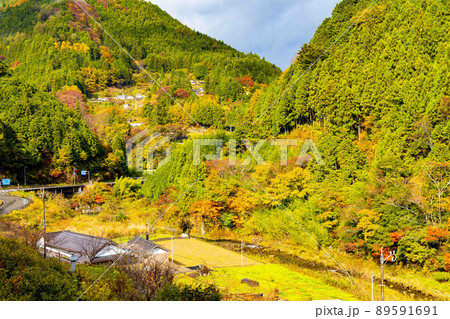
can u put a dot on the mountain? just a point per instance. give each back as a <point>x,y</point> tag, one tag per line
<point>389,72</point>
<point>57,43</point>
<point>371,89</point>
<point>37,131</point>
<point>76,49</point>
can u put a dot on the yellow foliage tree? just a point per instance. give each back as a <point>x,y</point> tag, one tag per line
<point>368,222</point>
<point>288,186</point>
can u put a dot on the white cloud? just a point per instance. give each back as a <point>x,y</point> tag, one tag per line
<point>274,29</point>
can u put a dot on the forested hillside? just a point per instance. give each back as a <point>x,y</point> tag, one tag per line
<point>56,43</point>
<point>377,105</point>
<point>56,47</point>
<point>38,131</point>
<point>371,90</point>
<point>390,69</point>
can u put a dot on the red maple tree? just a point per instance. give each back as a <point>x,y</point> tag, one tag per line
<point>181,94</point>
<point>246,81</point>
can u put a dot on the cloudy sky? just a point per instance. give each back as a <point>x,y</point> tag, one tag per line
<point>274,29</point>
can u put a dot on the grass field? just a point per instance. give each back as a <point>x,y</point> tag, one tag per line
<point>228,273</point>
<point>193,252</point>
<point>290,284</point>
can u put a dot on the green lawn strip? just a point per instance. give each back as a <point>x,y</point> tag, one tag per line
<point>290,284</point>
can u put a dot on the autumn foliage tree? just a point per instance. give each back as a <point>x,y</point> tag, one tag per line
<point>163,91</point>
<point>181,94</point>
<point>395,237</point>
<point>437,235</point>
<point>205,211</point>
<point>246,81</point>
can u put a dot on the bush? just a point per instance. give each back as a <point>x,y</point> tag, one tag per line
<point>413,251</point>
<point>442,276</point>
<point>189,293</point>
<point>25,275</point>
<point>126,187</point>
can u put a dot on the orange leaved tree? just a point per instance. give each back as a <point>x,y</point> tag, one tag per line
<point>205,211</point>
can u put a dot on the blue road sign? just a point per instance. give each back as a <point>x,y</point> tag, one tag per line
<point>84,173</point>
<point>6,182</point>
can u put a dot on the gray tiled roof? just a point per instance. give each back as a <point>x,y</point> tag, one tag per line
<point>143,244</point>
<point>76,242</point>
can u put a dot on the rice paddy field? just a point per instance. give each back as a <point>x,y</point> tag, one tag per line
<point>193,252</point>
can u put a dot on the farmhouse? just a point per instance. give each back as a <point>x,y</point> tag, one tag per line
<point>89,249</point>
<point>99,100</point>
<point>124,97</point>
<point>139,244</point>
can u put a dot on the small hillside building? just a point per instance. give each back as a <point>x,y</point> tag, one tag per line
<point>145,246</point>
<point>88,249</point>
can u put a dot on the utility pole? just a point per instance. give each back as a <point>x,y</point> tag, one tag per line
<point>382,261</point>
<point>242,253</point>
<point>25,176</point>
<point>382,274</point>
<point>74,173</point>
<point>45,225</point>
<point>172,248</point>
<point>372,287</point>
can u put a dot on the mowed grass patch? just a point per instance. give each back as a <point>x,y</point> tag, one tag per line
<point>193,252</point>
<point>290,284</point>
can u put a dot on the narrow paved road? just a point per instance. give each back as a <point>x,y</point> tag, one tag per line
<point>11,203</point>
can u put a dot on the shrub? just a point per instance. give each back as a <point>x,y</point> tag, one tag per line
<point>353,247</point>
<point>436,235</point>
<point>189,293</point>
<point>447,261</point>
<point>25,275</point>
<point>411,250</point>
<point>442,276</point>
<point>181,94</point>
